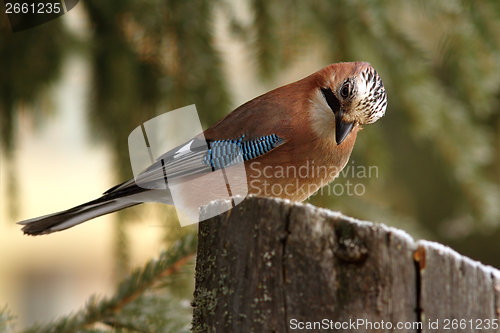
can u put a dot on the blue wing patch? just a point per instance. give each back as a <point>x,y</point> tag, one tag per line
<point>184,160</point>
<point>224,153</point>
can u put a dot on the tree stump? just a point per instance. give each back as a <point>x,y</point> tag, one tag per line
<point>269,265</point>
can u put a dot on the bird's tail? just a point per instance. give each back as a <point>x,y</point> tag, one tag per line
<point>66,219</point>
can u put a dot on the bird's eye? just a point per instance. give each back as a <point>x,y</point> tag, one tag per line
<point>346,90</point>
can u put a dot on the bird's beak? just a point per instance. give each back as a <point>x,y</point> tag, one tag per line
<point>342,129</point>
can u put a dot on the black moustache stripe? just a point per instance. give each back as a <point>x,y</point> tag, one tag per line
<point>333,102</point>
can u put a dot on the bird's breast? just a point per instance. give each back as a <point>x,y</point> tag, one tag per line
<point>295,171</point>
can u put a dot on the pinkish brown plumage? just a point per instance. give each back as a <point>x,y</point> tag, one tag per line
<point>305,125</point>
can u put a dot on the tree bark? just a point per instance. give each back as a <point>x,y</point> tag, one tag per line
<point>269,265</point>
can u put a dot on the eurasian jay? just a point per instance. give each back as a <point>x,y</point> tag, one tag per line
<point>311,123</point>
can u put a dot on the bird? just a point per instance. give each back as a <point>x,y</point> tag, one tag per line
<point>291,141</point>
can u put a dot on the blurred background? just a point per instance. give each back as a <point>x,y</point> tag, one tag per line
<point>73,89</point>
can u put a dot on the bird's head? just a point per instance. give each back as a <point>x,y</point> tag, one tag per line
<point>353,93</point>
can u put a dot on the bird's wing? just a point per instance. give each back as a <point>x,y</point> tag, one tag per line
<point>199,156</point>
<point>244,128</point>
